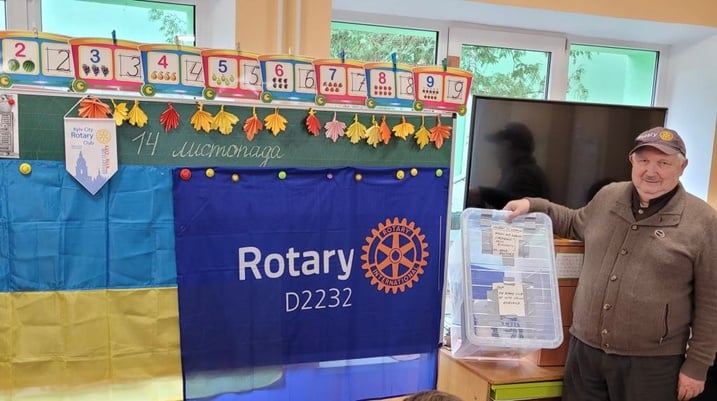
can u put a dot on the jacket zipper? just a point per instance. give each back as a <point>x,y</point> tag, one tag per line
<point>667,328</point>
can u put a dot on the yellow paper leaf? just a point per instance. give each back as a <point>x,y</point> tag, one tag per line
<point>356,130</point>
<point>137,117</point>
<point>275,122</point>
<point>201,120</point>
<point>423,135</point>
<point>403,129</point>
<point>224,121</point>
<point>373,134</point>
<point>121,112</point>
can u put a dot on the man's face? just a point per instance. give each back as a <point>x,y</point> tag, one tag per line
<point>655,173</point>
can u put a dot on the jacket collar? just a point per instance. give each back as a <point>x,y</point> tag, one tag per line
<point>669,215</point>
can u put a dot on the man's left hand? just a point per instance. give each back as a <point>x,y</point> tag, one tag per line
<point>688,388</point>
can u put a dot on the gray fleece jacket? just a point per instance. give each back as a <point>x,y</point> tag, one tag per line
<point>647,287</point>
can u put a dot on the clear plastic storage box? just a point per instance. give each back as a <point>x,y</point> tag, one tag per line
<point>507,303</point>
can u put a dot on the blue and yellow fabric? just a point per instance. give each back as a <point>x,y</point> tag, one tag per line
<point>88,299</point>
<point>89,303</point>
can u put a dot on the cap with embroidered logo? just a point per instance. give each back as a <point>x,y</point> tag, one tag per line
<point>663,139</point>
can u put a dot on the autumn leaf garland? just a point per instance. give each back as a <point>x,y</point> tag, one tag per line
<point>378,132</point>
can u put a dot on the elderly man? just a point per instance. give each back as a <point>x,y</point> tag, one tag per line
<point>645,310</point>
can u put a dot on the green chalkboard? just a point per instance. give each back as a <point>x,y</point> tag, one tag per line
<point>42,137</point>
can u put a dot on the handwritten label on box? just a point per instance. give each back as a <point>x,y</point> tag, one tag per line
<point>506,240</point>
<point>511,299</point>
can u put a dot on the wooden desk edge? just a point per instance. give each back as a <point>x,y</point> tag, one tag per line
<point>505,372</point>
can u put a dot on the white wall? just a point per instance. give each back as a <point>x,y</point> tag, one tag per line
<point>216,23</point>
<point>692,107</point>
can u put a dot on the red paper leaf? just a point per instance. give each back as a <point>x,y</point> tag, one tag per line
<point>169,118</point>
<point>313,125</point>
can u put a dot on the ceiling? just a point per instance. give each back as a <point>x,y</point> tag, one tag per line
<point>570,24</point>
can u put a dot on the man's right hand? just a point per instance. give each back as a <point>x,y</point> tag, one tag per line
<point>517,207</point>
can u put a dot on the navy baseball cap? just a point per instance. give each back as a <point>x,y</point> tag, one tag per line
<point>665,140</point>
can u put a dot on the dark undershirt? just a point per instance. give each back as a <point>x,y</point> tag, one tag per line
<point>654,205</point>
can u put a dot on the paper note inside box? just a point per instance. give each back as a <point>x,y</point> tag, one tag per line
<point>504,290</point>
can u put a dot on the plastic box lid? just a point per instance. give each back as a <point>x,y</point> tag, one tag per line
<point>510,283</point>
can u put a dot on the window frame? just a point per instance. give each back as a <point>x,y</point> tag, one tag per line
<point>407,30</point>
<point>212,19</point>
<point>660,95</point>
<point>556,45</point>
<point>404,22</point>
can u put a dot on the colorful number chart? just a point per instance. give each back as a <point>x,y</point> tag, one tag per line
<point>171,69</point>
<point>231,73</point>
<point>288,77</point>
<point>389,84</point>
<point>35,58</point>
<point>340,82</point>
<point>106,64</point>
<point>442,88</point>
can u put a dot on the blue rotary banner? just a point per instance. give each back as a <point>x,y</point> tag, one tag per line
<point>279,267</point>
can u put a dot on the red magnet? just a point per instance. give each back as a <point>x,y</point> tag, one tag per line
<point>185,174</point>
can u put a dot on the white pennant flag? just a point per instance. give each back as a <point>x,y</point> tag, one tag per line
<point>91,151</point>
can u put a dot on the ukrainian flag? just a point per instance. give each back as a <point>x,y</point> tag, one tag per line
<point>88,298</point>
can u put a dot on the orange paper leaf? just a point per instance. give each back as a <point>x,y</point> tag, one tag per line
<point>252,125</point>
<point>385,131</point>
<point>439,133</point>
<point>313,125</point>
<point>91,107</point>
<point>169,118</point>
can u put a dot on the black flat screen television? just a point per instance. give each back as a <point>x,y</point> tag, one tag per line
<point>576,148</point>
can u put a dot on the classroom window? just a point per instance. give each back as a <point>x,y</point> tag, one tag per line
<point>600,74</point>
<point>376,43</point>
<point>135,20</point>
<point>505,72</point>
<point>3,23</point>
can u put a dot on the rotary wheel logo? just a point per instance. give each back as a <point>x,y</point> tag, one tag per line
<point>394,255</point>
<point>103,136</point>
